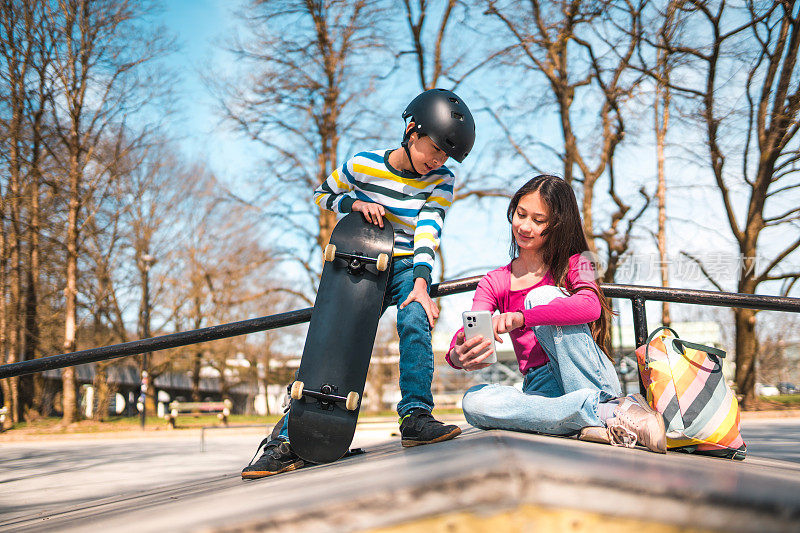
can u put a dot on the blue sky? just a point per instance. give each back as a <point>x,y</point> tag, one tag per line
<point>201,28</point>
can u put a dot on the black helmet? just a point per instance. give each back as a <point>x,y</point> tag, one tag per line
<point>445,118</point>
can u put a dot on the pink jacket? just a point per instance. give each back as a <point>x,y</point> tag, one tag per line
<point>494,294</point>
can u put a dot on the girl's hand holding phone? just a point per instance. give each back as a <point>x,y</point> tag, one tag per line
<point>469,353</point>
<point>474,348</point>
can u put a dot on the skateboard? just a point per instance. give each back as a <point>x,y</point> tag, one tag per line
<point>326,393</point>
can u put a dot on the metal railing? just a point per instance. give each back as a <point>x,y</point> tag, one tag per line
<point>638,295</point>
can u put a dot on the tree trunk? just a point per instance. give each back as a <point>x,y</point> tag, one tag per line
<point>327,163</point>
<point>264,379</point>
<point>102,392</point>
<point>14,287</point>
<point>70,404</point>
<point>198,355</point>
<point>224,386</point>
<point>198,361</point>
<point>746,350</point>
<point>661,125</point>
<point>31,331</point>
<point>586,213</point>
<point>4,383</point>
<point>327,220</point>
<point>31,385</point>
<point>13,242</point>
<point>745,320</point>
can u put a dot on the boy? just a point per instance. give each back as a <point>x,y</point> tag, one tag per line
<point>413,189</point>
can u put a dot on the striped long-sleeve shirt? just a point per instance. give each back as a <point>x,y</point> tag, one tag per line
<point>415,205</point>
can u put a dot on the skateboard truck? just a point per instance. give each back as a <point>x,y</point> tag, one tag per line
<point>356,260</point>
<point>326,395</point>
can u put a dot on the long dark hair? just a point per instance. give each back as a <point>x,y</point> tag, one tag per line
<point>564,237</point>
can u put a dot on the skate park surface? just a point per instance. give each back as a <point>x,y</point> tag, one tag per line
<point>483,480</point>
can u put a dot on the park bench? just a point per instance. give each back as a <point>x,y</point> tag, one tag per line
<point>195,409</point>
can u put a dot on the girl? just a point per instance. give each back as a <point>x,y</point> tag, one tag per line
<point>557,318</point>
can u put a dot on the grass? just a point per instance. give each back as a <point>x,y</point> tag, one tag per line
<point>791,401</point>
<point>52,425</point>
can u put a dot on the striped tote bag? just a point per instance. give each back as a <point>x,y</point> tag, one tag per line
<point>685,384</point>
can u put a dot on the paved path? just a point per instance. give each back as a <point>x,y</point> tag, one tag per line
<point>773,438</point>
<point>166,482</point>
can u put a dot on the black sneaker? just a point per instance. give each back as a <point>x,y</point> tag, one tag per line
<point>277,457</point>
<point>419,427</point>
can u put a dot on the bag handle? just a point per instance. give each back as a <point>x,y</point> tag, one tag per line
<point>710,350</point>
<point>650,339</point>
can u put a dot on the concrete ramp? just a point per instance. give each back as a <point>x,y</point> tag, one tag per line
<point>481,481</point>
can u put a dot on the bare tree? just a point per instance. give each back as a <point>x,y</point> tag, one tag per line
<point>38,101</point>
<point>304,91</point>
<point>773,364</point>
<point>746,56</point>
<point>661,110</point>
<point>159,191</point>
<point>441,59</point>
<point>221,273</point>
<point>24,55</point>
<point>583,49</point>
<point>17,55</point>
<point>101,250</point>
<point>103,47</point>
<point>135,210</point>
<point>431,65</point>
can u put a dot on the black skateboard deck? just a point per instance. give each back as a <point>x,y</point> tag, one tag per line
<point>326,395</point>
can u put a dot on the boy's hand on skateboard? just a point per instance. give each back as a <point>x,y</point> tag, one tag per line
<point>372,212</point>
<point>420,294</point>
<point>466,352</point>
<point>505,322</point>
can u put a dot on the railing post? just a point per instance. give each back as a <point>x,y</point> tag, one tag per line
<point>640,331</point>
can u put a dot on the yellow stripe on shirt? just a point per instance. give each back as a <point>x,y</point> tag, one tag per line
<point>395,220</point>
<point>341,185</point>
<point>385,174</point>
<point>441,201</point>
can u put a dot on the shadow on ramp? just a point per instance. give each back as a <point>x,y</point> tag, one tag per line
<point>501,480</point>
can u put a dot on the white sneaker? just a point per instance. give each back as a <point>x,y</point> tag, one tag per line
<point>636,422</point>
<point>595,434</point>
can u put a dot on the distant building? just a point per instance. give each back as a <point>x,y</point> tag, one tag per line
<point>126,381</point>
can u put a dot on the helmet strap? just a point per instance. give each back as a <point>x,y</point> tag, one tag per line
<point>404,144</point>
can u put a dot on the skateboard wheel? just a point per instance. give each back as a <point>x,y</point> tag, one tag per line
<point>352,401</point>
<point>297,390</point>
<point>383,262</point>
<point>330,253</point>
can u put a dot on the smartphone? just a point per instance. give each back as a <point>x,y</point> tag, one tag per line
<point>480,323</point>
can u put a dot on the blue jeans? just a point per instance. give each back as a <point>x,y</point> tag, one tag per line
<point>558,398</point>
<point>414,330</point>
